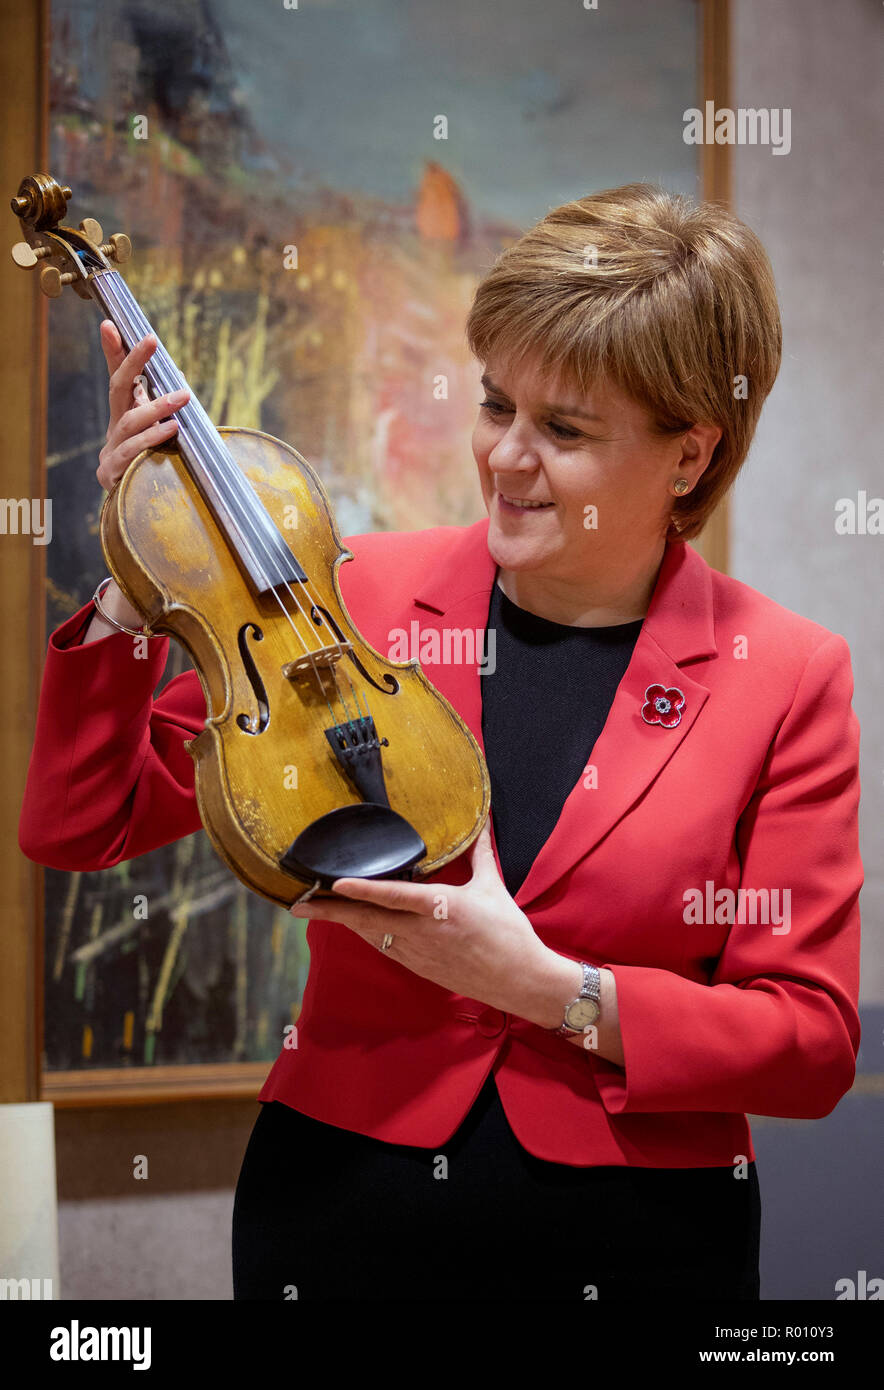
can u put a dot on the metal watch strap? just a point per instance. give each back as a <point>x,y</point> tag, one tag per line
<point>590,989</point>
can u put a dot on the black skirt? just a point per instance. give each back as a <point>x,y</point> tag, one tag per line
<point>322,1212</point>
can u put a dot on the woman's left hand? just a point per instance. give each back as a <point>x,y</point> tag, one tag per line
<point>471,939</point>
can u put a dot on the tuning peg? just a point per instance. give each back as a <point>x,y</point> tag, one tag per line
<point>92,230</point>
<point>52,282</point>
<point>26,255</point>
<point>119,248</point>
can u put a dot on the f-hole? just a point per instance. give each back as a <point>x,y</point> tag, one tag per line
<point>249,723</point>
<point>391,686</point>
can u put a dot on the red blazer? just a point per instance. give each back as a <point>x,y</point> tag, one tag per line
<point>755,788</point>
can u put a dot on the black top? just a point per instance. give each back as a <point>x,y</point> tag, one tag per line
<point>544,704</point>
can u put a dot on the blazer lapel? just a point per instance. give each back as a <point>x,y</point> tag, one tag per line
<point>629,752</point>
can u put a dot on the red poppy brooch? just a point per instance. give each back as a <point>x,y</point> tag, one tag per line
<point>663,706</point>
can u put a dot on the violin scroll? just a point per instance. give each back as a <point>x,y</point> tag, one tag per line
<point>41,202</point>
<point>40,205</point>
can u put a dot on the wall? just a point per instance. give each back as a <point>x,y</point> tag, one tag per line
<point>820,212</point>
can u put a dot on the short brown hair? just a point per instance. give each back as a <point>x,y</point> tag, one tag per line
<point>672,301</point>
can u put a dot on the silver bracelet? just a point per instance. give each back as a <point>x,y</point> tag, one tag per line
<point>131,631</point>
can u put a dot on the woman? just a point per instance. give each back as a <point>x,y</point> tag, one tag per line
<point>529,1076</point>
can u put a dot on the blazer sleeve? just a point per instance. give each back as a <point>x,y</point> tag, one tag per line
<point>109,776</point>
<point>776,1030</point>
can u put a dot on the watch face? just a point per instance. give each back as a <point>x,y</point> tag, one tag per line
<point>581,1013</point>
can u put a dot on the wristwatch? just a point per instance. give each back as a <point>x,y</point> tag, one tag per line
<point>584,1010</point>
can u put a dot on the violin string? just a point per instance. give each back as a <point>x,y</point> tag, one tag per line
<point>168,378</point>
<point>166,383</point>
<point>225,467</point>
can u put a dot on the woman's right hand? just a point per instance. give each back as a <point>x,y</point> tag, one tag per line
<point>136,421</point>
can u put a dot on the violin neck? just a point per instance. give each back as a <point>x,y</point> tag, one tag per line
<point>248,527</point>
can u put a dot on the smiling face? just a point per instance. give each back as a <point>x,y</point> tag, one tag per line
<point>538,440</point>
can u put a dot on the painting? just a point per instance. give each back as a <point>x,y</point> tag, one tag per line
<point>313,191</point>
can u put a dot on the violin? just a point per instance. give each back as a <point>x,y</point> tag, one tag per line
<point>198,535</point>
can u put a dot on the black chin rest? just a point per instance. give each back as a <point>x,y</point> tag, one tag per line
<point>360,841</point>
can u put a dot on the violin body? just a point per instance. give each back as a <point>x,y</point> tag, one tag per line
<point>258,787</point>
<point>320,758</point>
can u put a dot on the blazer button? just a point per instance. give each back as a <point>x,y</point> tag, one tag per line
<point>491,1022</point>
